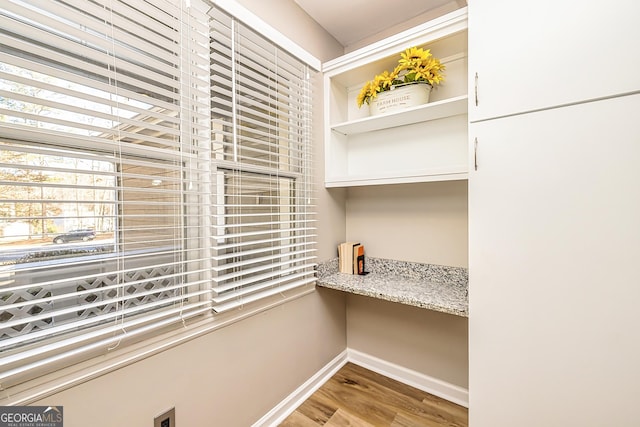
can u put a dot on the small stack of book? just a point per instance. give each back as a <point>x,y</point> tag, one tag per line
<point>351,258</point>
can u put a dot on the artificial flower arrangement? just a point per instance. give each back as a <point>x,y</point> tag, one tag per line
<point>415,65</point>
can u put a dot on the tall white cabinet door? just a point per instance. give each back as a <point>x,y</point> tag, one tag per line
<point>532,55</point>
<point>554,268</point>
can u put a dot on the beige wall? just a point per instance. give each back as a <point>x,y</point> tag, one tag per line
<point>230,377</point>
<point>233,376</point>
<point>330,204</point>
<point>425,341</point>
<point>412,222</point>
<point>293,22</point>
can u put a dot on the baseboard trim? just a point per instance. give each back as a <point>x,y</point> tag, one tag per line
<point>435,386</point>
<point>283,409</point>
<point>443,389</point>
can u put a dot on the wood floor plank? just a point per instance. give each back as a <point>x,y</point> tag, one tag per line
<point>404,420</point>
<point>343,418</point>
<point>386,381</point>
<point>455,413</point>
<point>396,396</point>
<point>356,396</point>
<point>296,419</point>
<point>318,409</point>
<point>359,401</point>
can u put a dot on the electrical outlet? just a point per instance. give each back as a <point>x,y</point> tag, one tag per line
<point>167,419</point>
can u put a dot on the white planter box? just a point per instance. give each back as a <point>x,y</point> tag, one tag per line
<point>399,98</point>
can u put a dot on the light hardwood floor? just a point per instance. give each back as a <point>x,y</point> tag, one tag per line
<point>358,397</point>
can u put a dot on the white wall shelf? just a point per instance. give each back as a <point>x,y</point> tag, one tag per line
<point>452,173</point>
<point>420,144</point>
<point>423,113</point>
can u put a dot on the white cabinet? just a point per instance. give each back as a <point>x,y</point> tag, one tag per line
<point>554,234</point>
<point>425,143</point>
<point>533,55</point>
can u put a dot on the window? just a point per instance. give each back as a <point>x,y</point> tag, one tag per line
<point>103,106</point>
<point>155,168</point>
<point>50,196</point>
<point>263,215</point>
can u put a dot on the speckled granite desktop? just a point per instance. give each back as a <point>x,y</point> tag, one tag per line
<point>429,286</point>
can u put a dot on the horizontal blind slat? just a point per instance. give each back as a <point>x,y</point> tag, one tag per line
<point>240,300</point>
<point>222,281</point>
<point>251,260</point>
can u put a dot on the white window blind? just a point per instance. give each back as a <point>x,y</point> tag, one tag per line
<point>105,136</point>
<point>263,228</point>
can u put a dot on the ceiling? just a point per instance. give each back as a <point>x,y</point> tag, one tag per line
<point>350,21</point>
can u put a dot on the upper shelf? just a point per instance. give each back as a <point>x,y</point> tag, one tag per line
<point>425,143</point>
<point>422,113</point>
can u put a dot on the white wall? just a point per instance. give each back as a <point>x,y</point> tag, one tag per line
<point>233,376</point>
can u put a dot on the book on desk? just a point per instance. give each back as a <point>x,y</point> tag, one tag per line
<point>351,258</point>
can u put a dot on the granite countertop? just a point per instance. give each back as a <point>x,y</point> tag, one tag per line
<point>434,287</point>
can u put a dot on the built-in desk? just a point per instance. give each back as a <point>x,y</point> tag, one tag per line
<point>434,287</point>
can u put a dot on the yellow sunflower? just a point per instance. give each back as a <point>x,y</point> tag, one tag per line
<point>415,65</point>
